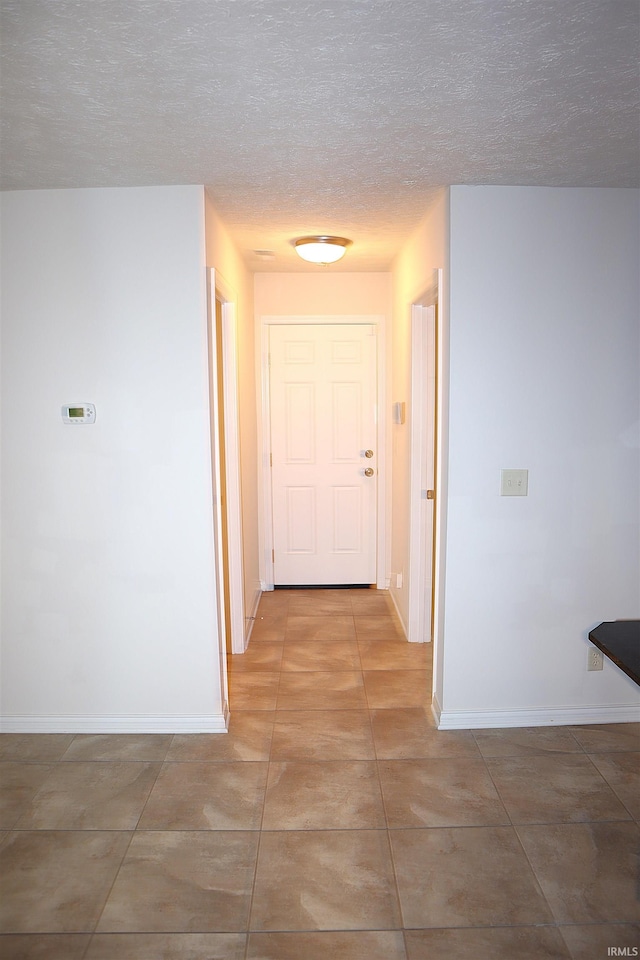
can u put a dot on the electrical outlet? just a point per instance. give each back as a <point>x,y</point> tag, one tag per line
<point>399,579</point>
<point>595,659</point>
<point>514,483</point>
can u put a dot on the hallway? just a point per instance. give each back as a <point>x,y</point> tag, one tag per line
<point>333,822</point>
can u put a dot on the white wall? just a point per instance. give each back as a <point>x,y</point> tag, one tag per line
<point>322,292</point>
<point>108,606</point>
<point>544,349</point>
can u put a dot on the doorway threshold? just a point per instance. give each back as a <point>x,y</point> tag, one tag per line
<point>324,586</point>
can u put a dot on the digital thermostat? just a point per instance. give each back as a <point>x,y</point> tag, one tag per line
<point>79,413</point>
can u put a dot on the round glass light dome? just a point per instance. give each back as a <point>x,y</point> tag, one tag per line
<point>322,250</point>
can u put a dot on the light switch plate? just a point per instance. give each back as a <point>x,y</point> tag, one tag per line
<point>514,483</point>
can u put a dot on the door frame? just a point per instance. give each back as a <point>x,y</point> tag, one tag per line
<point>265,511</point>
<point>422,473</point>
<point>230,576</point>
<point>426,380</point>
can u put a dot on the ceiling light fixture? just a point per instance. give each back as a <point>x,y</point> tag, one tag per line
<point>322,249</point>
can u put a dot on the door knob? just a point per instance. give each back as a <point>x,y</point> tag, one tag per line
<point>369,472</point>
<point>368,454</point>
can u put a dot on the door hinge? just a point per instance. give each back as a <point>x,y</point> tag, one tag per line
<point>270,459</point>
<point>273,556</point>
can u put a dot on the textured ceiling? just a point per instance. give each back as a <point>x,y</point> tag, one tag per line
<point>339,116</point>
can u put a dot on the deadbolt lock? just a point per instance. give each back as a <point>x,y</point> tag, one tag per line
<point>368,454</point>
<point>369,472</point>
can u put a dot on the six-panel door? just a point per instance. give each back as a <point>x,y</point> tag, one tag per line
<point>323,420</point>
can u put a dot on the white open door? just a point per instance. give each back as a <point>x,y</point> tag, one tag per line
<point>223,373</point>
<point>422,485</point>
<point>324,462</point>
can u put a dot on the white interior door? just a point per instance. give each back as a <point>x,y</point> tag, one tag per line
<point>217,487</point>
<point>422,486</point>
<point>324,463</point>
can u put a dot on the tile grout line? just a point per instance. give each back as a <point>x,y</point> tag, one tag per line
<point>264,802</point>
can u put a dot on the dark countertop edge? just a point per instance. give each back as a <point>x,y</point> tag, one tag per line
<point>632,671</point>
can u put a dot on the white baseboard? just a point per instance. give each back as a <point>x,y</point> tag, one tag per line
<point>251,619</point>
<point>215,723</point>
<point>257,596</point>
<point>542,717</point>
<point>398,614</point>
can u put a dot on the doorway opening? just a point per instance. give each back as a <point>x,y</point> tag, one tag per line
<point>225,450</point>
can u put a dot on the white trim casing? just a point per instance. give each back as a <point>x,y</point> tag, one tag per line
<point>197,723</point>
<point>441,478</point>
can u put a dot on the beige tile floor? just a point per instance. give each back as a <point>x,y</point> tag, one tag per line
<point>332,822</point>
